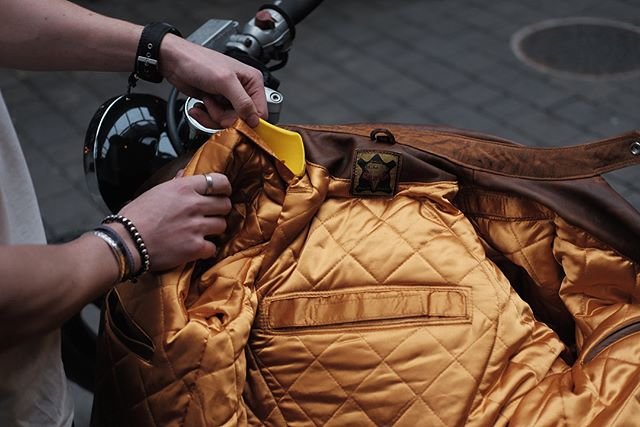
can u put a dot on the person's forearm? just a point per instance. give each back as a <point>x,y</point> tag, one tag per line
<point>42,286</point>
<point>58,35</point>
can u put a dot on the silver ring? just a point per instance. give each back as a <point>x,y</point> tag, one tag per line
<point>209,190</point>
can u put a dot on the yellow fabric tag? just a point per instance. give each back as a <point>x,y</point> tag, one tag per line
<point>286,145</point>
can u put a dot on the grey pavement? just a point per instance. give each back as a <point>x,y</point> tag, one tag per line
<point>408,61</point>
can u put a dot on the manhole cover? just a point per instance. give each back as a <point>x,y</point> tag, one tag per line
<point>588,48</point>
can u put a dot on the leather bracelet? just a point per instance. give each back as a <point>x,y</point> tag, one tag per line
<point>137,240</point>
<point>123,249</point>
<point>117,253</point>
<point>147,63</point>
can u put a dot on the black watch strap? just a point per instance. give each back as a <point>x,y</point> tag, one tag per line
<point>147,65</point>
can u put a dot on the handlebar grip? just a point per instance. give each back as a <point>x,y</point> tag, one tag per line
<point>293,10</point>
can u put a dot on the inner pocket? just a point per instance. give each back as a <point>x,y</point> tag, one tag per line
<point>125,329</point>
<point>366,306</point>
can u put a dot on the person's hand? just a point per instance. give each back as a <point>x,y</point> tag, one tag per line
<point>175,217</point>
<point>227,87</point>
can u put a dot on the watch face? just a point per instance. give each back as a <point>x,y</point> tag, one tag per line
<point>126,142</point>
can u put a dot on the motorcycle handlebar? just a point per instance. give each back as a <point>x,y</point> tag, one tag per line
<point>293,10</point>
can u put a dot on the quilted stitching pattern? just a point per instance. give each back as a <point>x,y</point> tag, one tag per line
<point>599,288</point>
<point>586,394</point>
<point>355,243</point>
<point>496,366</point>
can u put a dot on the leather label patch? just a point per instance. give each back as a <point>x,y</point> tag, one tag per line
<point>375,173</point>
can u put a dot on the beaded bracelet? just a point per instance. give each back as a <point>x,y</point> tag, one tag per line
<point>137,240</point>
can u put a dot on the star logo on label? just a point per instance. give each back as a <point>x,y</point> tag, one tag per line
<point>375,173</point>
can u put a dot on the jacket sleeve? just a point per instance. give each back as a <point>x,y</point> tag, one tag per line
<point>172,346</point>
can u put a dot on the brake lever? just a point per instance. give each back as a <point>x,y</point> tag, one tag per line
<point>274,105</point>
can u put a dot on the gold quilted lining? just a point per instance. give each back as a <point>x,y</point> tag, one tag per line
<point>214,366</point>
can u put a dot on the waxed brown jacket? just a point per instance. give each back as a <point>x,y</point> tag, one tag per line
<point>412,276</point>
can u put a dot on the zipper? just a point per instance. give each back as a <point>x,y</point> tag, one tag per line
<point>612,338</point>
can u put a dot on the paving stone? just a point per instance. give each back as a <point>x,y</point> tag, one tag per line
<point>626,103</point>
<point>438,46</point>
<point>332,113</point>
<point>546,130</point>
<point>476,95</point>
<point>624,11</point>
<point>411,35</point>
<point>471,62</point>
<point>373,71</point>
<point>295,112</point>
<point>500,76</point>
<point>415,12</point>
<point>438,75</point>
<point>506,109</point>
<point>562,8</point>
<point>478,17</point>
<point>291,88</point>
<point>577,137</point>
<point>519,12</point>
<point>613,126</point>
<point>580,112</point>
<point>426,101</point>
<point>601,92</point>
<point>459,116</point>
<point>401,115</point>
<point>540,94</point>
<point>316,70</point>
<point>401,87</point>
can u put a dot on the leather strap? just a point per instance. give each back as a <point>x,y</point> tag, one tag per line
<point>147,64</point>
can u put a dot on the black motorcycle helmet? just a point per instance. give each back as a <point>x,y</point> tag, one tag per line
<point>125,144</point>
